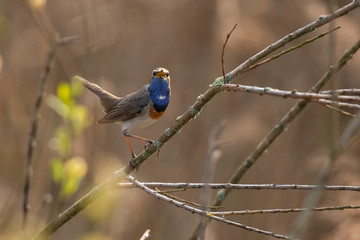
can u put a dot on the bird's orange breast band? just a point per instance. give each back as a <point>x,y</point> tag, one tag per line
<point>154,114</point>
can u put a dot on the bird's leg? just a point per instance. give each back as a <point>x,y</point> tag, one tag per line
<point>131,149</point>
<point>127,135</point>
<point>149,141</point>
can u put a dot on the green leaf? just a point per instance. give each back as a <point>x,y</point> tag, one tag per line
<point>74,171</point>
<point>63,140</point>
<point>76,88</point>
<point>58,106</point>
<point>80,118</point>
<point>64,93</point>
<point>56,166</point>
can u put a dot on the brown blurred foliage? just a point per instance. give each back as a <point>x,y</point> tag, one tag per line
<point>121,43</point>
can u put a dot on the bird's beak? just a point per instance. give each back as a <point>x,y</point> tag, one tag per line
<point>161,74</point>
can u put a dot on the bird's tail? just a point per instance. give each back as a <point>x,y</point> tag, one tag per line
<point>108,100</point>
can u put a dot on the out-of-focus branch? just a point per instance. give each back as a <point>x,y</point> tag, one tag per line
<point>213,155</point>
<point>272,186</point>
<point>201,212</point>
<point>323,175</point>
<point>181,121</point>
<point>35,119</point>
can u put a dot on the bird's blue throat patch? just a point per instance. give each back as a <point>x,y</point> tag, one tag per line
<point>159,93</point>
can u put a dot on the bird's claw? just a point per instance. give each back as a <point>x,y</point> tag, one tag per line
<point>149,143</point>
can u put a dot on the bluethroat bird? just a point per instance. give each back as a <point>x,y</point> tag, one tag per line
<point>138,109</point>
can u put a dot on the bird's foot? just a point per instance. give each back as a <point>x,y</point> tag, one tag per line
<point>149,143</point>
<point>131,163</point>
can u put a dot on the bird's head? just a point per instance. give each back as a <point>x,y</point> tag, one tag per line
<point>161,73</point>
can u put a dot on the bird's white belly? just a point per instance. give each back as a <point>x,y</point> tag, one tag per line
<point>137,122</point>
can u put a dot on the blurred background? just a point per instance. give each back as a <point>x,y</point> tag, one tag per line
<point>121,42</point>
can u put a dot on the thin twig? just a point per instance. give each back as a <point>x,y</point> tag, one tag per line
<point>201,212</point>
<point>291,49</point>
<point>326,100</point>
<point>223,52</point>
<point>310,96</point>
<point>339,105</point>
<point>238,186</point>
<point>350,91</point>
<point>286,210</point>
<point>165,193</point>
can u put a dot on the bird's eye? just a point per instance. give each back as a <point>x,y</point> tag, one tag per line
<point>154,73</point>
<point>166,74</point>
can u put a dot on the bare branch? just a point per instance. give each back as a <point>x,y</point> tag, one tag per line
<point>310,96</point>
<point>351,91</point>
<point>201,212</point>
<point>286,210</point>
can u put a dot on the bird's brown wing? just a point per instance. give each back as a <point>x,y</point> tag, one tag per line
<point>128,107</point>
